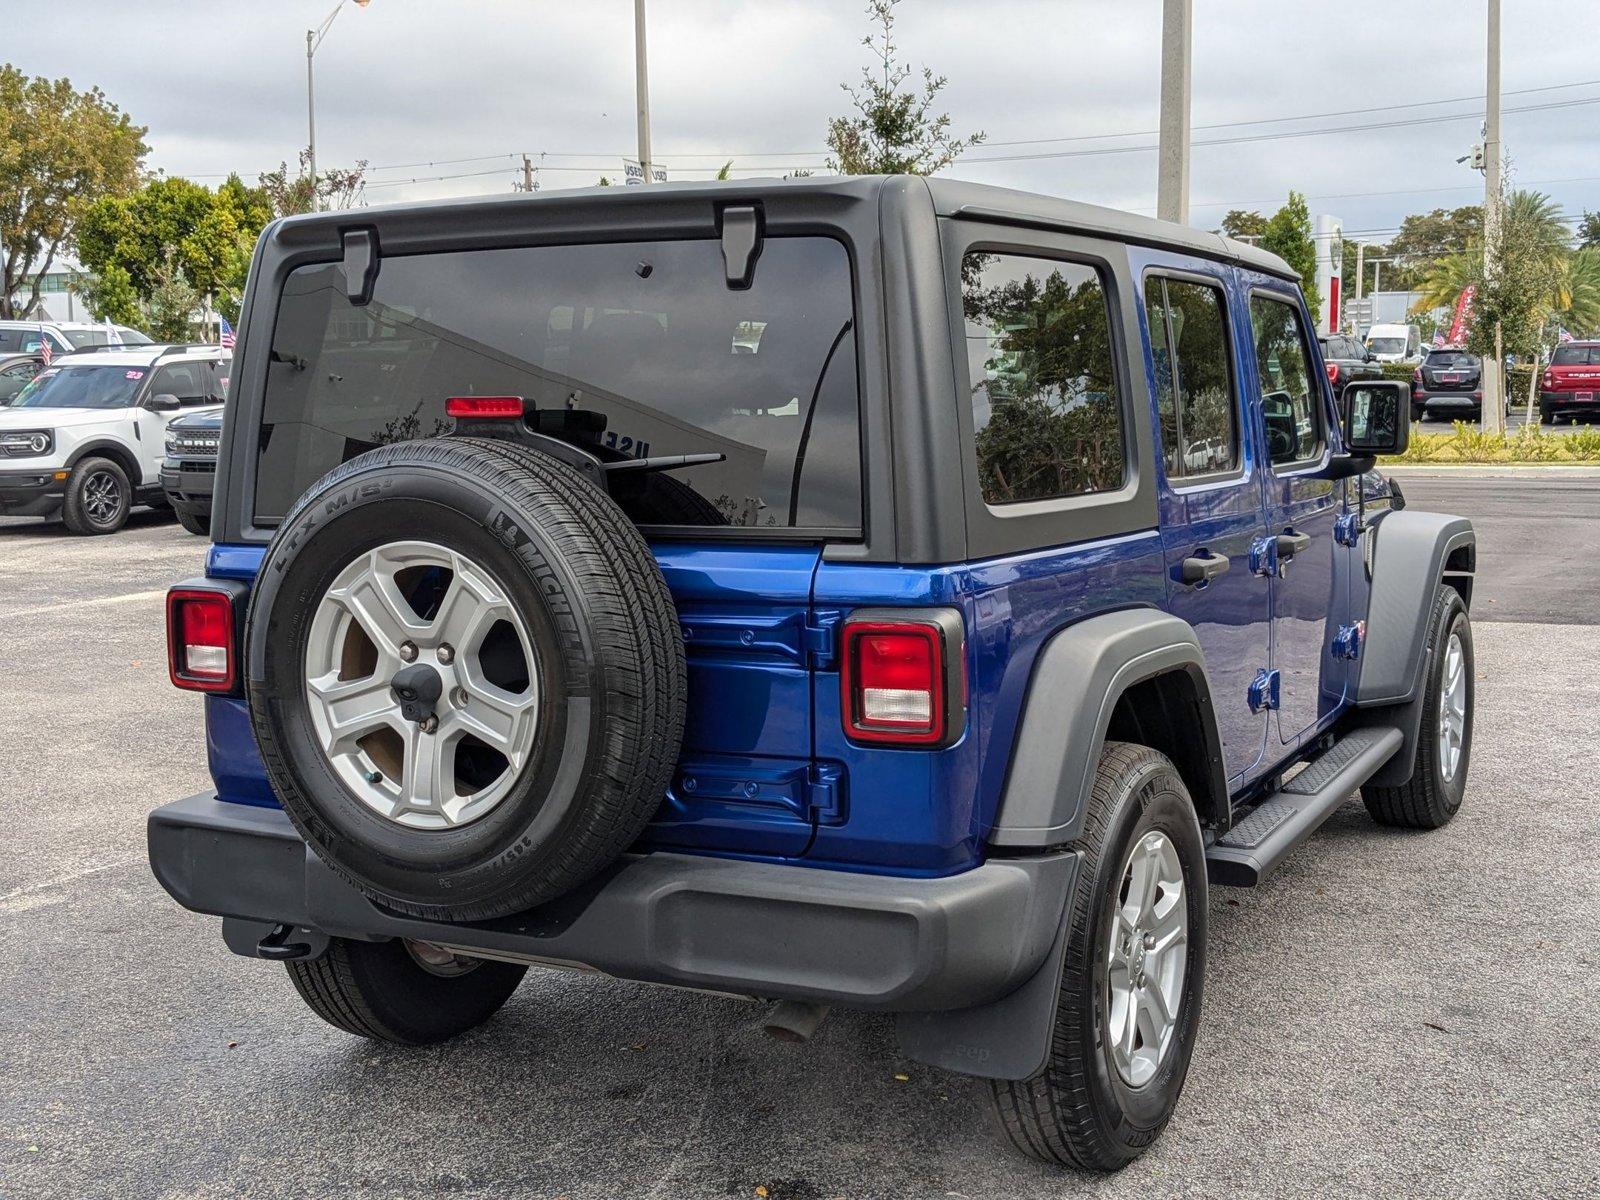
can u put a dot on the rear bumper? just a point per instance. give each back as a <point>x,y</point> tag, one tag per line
<point>35,493</point>
<point>1569,402</point>
<point>723,925</point>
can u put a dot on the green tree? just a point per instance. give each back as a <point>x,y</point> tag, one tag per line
<point>336,188</point>
<point>1589,229</point>
<point>60,150</point>
<point>126,242</point>
<point>1243,224</point>
<point>1578,300</point>
<point>1425,238</point>
<point>1288,235</point>
<point>893,130</point>
<point>169,312</point>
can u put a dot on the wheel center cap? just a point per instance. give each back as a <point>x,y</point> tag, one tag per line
<point>417,689</point>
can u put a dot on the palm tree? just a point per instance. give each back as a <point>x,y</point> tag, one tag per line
<point>1577,304</point>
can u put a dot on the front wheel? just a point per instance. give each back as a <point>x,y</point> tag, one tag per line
<point>193,522</point>
<point>1129,1003</point>
<point>98,497</point>
<point>409,993</point>
<point>1444,741</point>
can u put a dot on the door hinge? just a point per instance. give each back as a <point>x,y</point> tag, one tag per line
<point>820,638</point>
<point>1347,642</point>
<point>1347,529</point>
<point>1263,692</point>
<point>1264,556</point>
<point>824,788</point>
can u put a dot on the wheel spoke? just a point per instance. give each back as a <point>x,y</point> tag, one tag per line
<point>497,718</point>
<point>470,606</point>
<point>353,707</point>
<point>430,771</point>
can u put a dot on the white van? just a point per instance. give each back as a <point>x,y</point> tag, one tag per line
<point>1395,343</point>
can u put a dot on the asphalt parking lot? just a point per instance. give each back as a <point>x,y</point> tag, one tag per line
<point>1393,1014</point>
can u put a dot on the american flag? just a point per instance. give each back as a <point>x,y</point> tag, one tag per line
<point>1438,339</point>
<point>1561,335</point>
<point>46,350</point>
<point>228,338</point>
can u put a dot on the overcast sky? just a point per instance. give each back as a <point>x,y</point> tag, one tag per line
<point>222,88</point>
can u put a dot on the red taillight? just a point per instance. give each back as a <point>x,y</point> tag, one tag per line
<point>483,406</point>
<point>1333,374</point>
<point>1416,376</point>
<point>200,653</point>
<point>894,682</point>
<point>1549,382</point>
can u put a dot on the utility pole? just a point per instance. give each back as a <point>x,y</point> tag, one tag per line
<point>1172,185</point>
<point>1361,273</point>
<point>1494,406</point>
<point>527,173</point>
<point>311,113</point>
<point>642,91</point>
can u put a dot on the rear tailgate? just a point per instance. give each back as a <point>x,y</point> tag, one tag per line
<point>745,781</point>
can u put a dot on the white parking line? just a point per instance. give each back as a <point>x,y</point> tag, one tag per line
<point>27,897</point>
<point>65,606</point>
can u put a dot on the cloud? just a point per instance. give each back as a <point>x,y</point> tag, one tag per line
<point>222,87</point>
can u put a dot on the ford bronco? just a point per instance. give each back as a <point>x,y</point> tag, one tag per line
<point>886,593</point>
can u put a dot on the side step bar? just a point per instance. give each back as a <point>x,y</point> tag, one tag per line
<point>1249,852</point>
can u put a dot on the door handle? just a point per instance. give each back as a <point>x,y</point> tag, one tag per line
<point>1200,569</point>
<point>1291,543</point>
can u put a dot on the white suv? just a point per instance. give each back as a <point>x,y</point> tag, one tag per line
<point>86,438</point>
<point>22,337</point>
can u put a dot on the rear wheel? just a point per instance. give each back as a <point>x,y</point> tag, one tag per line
<point>1546,416</point>
<point>409,993</point>
<point>98,497</point>
<point>1129,1002</point>
<point>1444,742</point>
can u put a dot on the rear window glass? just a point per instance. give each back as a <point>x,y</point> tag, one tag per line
<point>1574,356</point>
<point>648,335</point>
<point>1449,360</point>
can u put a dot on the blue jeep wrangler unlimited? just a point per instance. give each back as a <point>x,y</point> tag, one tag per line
<point>889,593</point>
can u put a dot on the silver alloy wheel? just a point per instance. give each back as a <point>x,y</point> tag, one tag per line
<point>367,629</point>
<point>102,497</point>
<point>1452,708</point>
<point>1147,959</point>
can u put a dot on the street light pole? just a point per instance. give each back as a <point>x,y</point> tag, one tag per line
<point>1494,408</point>
<point>1172,184</point>
<point>313,40</point>
<point>642,90</point>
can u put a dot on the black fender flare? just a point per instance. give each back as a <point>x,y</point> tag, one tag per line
<point>114,450</point>
<point>1078,677</point>
<point>1408,557</point>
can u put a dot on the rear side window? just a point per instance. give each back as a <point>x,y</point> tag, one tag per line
<point>1194,381</point>
<point>1290,398</point>
<point>646,334</point>
<point>1045,405</point>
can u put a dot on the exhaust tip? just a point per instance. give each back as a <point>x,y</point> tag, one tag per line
<point>793,1021</point>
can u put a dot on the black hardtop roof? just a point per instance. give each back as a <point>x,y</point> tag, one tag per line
<point>950,198</point>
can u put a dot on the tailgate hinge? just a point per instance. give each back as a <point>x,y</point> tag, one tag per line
<point>1347,642</point>
<point>824,789</point>
<point>819,638</point>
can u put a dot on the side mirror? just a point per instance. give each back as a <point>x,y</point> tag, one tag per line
<point>1371,357</point>
<point>1377,417</point>
<point>164,402</point>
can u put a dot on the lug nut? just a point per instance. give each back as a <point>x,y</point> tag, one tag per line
<point>428,724</point>
<point>446,654</point>
<point>460,697</point>
<point>408,651</point>
<point>1149,941</point>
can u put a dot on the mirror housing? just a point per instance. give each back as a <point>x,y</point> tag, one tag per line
<point>1377,417</point>
<point>164,402</point>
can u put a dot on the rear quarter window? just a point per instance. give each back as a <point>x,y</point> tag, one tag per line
<point>1046,411</point>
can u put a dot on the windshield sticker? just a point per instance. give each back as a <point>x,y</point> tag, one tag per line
<point>133,374</point>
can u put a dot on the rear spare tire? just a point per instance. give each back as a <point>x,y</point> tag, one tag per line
<point>465,675</point>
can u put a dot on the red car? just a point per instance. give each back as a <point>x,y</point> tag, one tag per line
<point>1571,383</point>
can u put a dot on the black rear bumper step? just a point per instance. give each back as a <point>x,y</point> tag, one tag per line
<point>1249,852</point>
